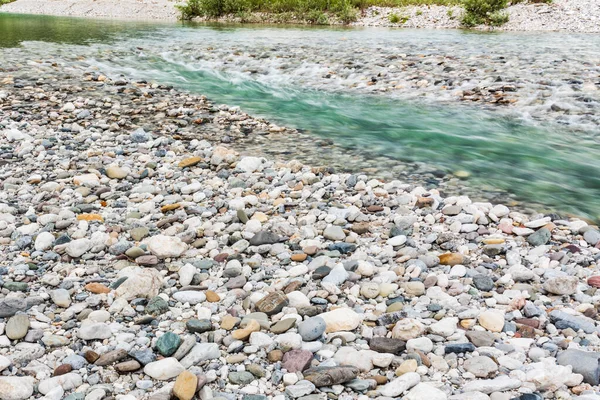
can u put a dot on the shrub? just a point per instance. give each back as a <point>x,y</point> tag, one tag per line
<point>317,17</point>
<point>498,18</point>
<point>191,9</point>
<point>394,18</point>
<point>479,12</point>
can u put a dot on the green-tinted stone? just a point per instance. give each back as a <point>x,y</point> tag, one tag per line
<point>138,234</point>
<point>16,286</point>
<point>256,370</point>
<point>133,215</point>
<point>157,306</point>
<point>118,282</point>
<point>241,378</point>
<point>199,325</point>
<point>540,237</point>
<point>397,306</point>
<point>254,397</point>
<point>283,326</point>
<point>168,343</point>
<point>134,252</point>
<point>204,264</point>
<point>241,214</point>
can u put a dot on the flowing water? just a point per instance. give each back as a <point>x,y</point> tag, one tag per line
<point>384,97</point>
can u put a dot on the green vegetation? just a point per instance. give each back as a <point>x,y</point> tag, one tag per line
<point>312,11</point>
<point>322,12</point>
<point>489,12</point>
<point>3,2</point>
<point>398,19</point>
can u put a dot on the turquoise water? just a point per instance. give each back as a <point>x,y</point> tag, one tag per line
<point>542,161</point>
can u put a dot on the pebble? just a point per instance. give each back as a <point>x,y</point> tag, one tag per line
<point>164,369</point>
<point>185,386</point>
<point>312,328</point>
<point>147,260</point>
<point>17,326</point>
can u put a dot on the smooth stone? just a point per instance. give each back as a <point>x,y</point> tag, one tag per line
<point>425,391</point>
<point>328,376</point>
<point>240,378</point>
<point>157,306</point>
<point>539,237</point>
<point>297,360</point>
<point>144,356</point>
<point>61,297</point>
<point>487,386</point>
<point>164,369</point>
<point>583,362</point>
<point>591,236</point>
<point>166,246</point>
<point>312,328</point>
<point>283,325</point>
<point>300,389</point>
<point>139,233</point>
<point>127,366</point>
<point>480,338</point>
<point>199,325</point>
<point>44,241</point>
<point>10,306</point>
<point>185,386</point>
<point>492,320</point>
<point>341,319</point>
<point>459,348</point>
<point>168,343</point>
<point>68,381</point>
<point>111,357</point>
<point>201,352</point>
<point>481,366</point>
<point>76,248</point>
<point>562,320</point>
<point>334,232</point>
<point>272,303</point>
<point>387,345</point>
<point>264,237</point>
<point>400,385</point>
<point>94,331</point>
<point>483,282</point>
<point>16,388</point>
<point>561,285</point>
<point>192,297</point>
<point>17,327</point>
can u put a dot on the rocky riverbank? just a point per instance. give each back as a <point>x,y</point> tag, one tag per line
<point>144,259</point>
<point>559,15</point>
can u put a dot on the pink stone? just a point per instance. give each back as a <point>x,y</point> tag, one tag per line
<point>297,360</point>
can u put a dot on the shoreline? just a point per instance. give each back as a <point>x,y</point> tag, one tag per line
<point>558,16</point>
<point>147,259</point>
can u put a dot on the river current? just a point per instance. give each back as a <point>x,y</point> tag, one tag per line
<point>516,114</point>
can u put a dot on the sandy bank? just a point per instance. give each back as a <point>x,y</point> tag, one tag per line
<point>560,15</point>
<point>122,9</point>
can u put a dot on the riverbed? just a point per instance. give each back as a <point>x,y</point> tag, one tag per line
<point>463,111</point>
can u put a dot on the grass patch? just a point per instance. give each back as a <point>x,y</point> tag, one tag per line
<point>398,19</point>
<point>3,2</point>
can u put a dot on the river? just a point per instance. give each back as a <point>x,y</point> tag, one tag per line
<point>515,115</point>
